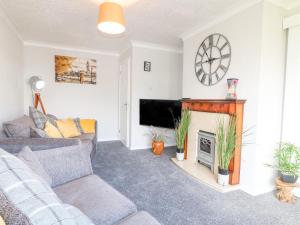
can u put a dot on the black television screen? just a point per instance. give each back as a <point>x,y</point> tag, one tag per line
<point>159,113</point>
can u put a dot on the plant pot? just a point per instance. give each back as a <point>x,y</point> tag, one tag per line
<point>158,147</point>
<point>223,177</point>
<point>180,154</point>
<point>288,178</point>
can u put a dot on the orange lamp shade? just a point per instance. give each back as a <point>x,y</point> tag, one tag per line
<point>111,18</point>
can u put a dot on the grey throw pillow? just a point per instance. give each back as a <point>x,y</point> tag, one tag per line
<point>32,161</point>
<point>37,133</point>
<point>11,214</point>
<point>19,127</point>
<point>38,117</point>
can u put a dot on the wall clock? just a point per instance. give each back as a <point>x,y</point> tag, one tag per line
<point>212,59</point>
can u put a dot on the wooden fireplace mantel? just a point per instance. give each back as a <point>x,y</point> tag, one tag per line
<point>231,107</point>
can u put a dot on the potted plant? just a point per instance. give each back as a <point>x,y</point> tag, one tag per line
<point>181,129</point>
<point>158,142</point>
<point>226,143</point>
<point>288,162</point>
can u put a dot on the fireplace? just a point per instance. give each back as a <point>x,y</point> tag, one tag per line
<point>206,149</point>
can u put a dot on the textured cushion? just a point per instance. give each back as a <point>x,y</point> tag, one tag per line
<point>140,218</point>
<point>31,160</point>
<point>67,128</point>
<point>95,198</point>
<point>52,131</point>
<point>88,125</point>
<point>11,214</point>
<point>38,133</point>
<point>19,127</point>
<point>77,215</point>
<point>38,117</point>
<point>30,194</point>
<point>65,164</point>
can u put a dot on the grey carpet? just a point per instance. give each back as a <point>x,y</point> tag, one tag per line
<point>156,185</point>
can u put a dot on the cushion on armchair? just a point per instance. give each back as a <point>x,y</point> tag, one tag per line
<point>38,117</point>
<point>88,125</point>
<point>19,127</point>
<point>65,164</point>
<point>31,160</point>
<point>52,131</point>
<point>67,128</point>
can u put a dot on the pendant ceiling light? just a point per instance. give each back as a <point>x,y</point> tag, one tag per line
<point>111,18</point>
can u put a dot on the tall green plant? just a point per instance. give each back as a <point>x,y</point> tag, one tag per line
<point>181,128</point>
<point>226,142</point>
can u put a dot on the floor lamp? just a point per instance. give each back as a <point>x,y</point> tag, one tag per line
<point>37,84</point>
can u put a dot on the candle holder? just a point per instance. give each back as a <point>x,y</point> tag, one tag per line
<point>231,91</point>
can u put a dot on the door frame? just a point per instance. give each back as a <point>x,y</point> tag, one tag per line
<point>128,118</point>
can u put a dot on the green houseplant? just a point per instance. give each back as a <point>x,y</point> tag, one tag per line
<point>288,162</point>
<point>226,143</point>
<point>181,129</point>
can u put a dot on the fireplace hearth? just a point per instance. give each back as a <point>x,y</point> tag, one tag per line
<point>206,149</point>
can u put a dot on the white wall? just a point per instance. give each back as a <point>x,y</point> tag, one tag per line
<point>291,120</point>
<point>11,61</point>
<point>64,100</point>
<point>257,43</point>
<point>163,82</point>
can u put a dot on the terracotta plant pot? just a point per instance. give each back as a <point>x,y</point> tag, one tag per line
<point>158,147</point>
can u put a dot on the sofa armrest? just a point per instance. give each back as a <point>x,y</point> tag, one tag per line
<point>65,164</point>
<point>14,145</point>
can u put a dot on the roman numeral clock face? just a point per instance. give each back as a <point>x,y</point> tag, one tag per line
<point>213,59</point>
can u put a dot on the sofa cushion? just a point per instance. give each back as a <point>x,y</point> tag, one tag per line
<point>19,127</point>
<point>67,128</point>
<point>65,164</point>
<point>30,194</point>
<point>98,200</point>
<point>140,218</point>
<point>88,125</point>
<point>38,117</point>
<point>11,214</point>
<point>31,160</point>
<point>52,130</point>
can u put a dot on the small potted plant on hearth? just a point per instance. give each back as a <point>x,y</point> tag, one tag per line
<point>181,129</point>
<point>226,143</point>
<point>288,162</point>
<point>158,142</point>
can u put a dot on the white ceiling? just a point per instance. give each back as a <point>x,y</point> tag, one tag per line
<point>74,22</point>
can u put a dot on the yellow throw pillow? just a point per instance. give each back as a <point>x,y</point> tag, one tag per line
<point>88,126</point>
<point>2,221</point>
<point>68,128</point>
<point>52,131</point>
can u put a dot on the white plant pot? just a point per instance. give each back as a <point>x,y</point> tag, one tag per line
<point>180,156</point>
<point>223,179</point>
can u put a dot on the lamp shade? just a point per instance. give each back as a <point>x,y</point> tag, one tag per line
<point>111,18</point>
<point>36,84</point>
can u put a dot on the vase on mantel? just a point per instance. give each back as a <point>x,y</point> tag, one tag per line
<point>231,91</point>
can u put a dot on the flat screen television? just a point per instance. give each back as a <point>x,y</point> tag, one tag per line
<point>159,113</point>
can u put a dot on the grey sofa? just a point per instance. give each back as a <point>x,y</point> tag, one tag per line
<point>75,184</point>
<point>14,143</point>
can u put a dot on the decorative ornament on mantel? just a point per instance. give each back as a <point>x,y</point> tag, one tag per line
<point>231,91</point>
<point>111,18</point>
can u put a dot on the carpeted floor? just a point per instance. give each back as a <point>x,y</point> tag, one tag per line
<point>156,185</point>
